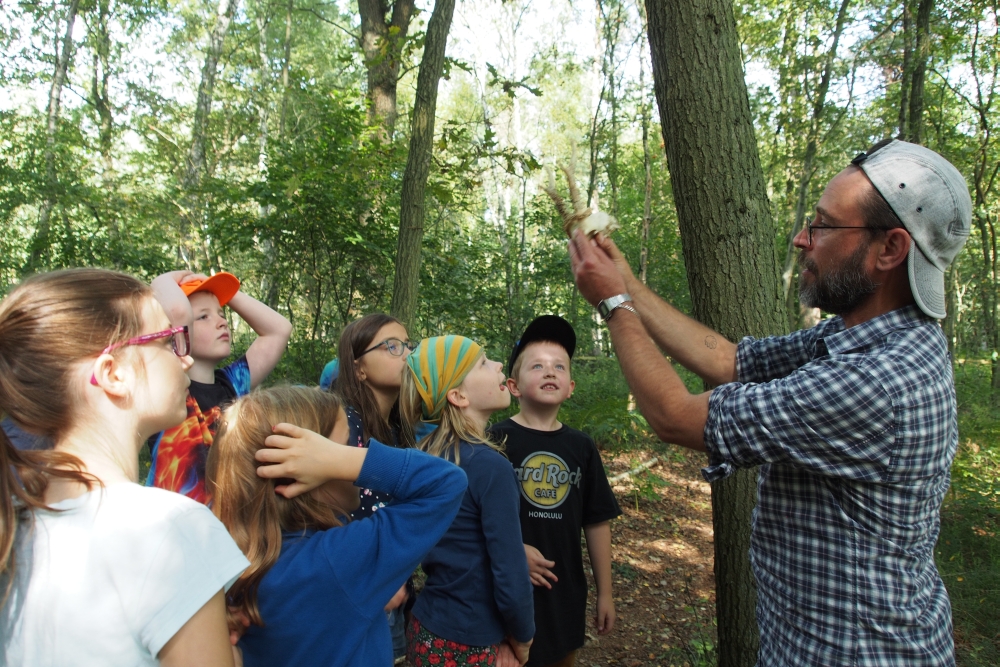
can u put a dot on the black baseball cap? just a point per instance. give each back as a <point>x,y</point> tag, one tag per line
<point>550,328</point>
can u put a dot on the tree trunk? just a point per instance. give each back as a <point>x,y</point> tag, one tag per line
<point>40,242</point>
<point>100,97</point>
<point>382,45</point>
<point>195,167</point>
<point>418,162</point>
<point>819,108</point>
<point>950,324</point>
<point>725,225</point>
<point>921,52</point>
<point>907,77</point>
<point>647,163</point>
<point>286,65</point>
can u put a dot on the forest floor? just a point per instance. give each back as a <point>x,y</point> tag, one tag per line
<point>662,566</point>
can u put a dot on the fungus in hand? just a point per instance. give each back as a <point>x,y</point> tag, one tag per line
<point>588,220</point>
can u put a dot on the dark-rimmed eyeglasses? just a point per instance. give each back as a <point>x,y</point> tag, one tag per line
<point>810,227</point>
<point>181,342</point>
<point>393,346</point>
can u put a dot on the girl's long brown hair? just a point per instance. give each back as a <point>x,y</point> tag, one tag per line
<point>49,323</point>
<point>454,426</point>
<point>248,506</point>
<point>357,337</point>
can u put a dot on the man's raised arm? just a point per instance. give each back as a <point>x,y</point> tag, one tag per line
<point>675,414</point>
<point>696,347</point>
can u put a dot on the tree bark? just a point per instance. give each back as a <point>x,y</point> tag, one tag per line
<point>725,225</point>
<point>904,85</point>
<point>40,241</point>
<point>920,55</point>
<point>195,167</point>
<point>382,43</point>
<point>406,283</point>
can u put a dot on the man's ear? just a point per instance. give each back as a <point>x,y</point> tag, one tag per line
<point>457,398</point>
<point>110,376</point>
<point>895,248</point>
<point>512,388</point>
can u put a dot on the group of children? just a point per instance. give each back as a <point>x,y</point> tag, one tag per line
<point>324,501</point>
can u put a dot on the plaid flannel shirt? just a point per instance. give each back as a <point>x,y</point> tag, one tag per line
<point>855,430</point>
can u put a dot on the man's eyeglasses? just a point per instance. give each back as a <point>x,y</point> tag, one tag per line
<point>393,346</point>
<point>180,340</point>
<point>810,227</point>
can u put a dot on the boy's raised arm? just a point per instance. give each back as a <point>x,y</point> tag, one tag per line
<point>167,290</point>
<point>599,547</point>
<point>273,331</point>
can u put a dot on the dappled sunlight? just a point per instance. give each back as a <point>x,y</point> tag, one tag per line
<point>662,561</point>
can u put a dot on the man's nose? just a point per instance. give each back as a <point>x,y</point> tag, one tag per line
<point>801,240</point>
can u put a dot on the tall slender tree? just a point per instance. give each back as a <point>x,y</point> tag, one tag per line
<point>195,165</point>
<point>726,232</point>
<point>812,144</point>
<point>64,55</point>
<point>406,282</point>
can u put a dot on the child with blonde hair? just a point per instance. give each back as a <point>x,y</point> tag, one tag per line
<point>317,584</point>
<point>477,597</point>
<point>198,302</point>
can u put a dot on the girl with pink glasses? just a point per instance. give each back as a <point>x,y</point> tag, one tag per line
<point>94,568</point>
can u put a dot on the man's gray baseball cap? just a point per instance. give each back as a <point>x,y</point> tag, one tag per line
<point>932,201</point>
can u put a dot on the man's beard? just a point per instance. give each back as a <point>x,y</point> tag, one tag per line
<point>843,289</point>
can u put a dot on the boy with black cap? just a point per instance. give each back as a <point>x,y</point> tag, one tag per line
<point>563,490</point>
<point>197,301</point>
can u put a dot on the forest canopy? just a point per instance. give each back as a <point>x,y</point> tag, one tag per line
<point>271,139</point>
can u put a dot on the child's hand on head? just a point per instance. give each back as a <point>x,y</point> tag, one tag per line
<point>300,454</point>
<point>191,277</point>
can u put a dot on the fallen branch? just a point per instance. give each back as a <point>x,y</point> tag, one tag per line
<point>645,466</point>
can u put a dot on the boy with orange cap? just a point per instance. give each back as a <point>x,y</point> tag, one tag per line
<point>197,301</point>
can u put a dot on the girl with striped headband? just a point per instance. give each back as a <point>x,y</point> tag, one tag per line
<point>477,603</point>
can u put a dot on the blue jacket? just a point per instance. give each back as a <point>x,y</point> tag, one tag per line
<point>322,602</point>
<point>478,589</point>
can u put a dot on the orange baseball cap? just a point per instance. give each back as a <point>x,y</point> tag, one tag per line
<point>223,285</point>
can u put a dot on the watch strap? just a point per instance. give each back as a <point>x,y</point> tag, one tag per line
<point>606,307</point>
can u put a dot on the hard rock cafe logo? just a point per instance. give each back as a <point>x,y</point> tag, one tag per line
<point>546,479</point>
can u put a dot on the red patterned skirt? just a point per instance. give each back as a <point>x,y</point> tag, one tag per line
<point>424,648</point>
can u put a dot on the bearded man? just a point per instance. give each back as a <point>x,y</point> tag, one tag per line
<point>853,421</point>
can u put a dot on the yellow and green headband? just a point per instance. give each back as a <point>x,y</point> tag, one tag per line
<point>438,365</point>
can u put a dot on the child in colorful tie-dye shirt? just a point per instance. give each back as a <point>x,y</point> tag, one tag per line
<point>179,453</point>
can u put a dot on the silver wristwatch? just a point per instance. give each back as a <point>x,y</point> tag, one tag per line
<point>608,306</point>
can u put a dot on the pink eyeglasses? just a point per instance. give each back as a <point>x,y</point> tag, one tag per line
<point>181,343</point>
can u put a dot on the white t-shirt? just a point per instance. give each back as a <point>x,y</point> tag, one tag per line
<point>114,576</point>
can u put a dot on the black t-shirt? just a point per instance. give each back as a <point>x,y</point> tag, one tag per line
<point>220,393</point>
<point>563,488</point>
